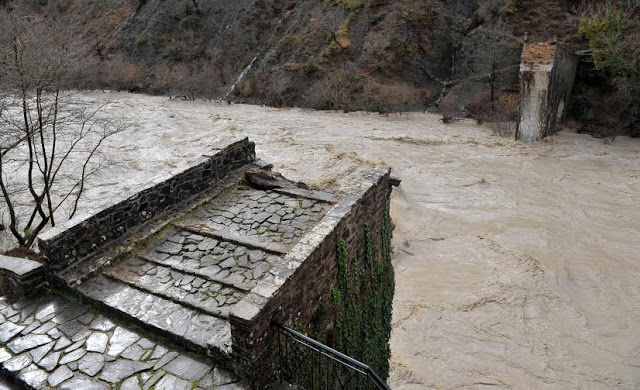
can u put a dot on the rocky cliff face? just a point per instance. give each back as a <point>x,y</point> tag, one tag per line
<point>375,55</point>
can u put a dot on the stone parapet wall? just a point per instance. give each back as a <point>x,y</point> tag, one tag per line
<point>20,277</point>
<point>309,277</point>
<point>80,237</point>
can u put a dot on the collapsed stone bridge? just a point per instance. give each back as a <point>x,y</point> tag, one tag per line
<point>178,286</point>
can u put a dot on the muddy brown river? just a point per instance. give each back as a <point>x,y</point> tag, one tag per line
<point>517,266</point>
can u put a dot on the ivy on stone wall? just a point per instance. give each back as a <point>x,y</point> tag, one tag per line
<point>362,301</point>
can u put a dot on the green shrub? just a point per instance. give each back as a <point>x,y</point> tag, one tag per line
<point>140,40</point>
<point>175,50</point>
<point>615,47</point>
<point>290,41</point>
<point>310,68</point>
<point>610,50</point>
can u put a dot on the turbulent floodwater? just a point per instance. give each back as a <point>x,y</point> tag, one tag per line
<point>517,266</point>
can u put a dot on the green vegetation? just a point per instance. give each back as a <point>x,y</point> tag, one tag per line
<point>612,49</point>
<point>361,304</point>
<point>175,50</point>
<point>310,68</point>
<point>615,47</point>
<point>140,40</point>
<point>290,41</point>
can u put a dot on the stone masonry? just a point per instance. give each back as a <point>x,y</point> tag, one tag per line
<point>20,276</point>
<point>310,275</point>
<point>85,234</point>
<point>187,297</point>
<point>547,75</point>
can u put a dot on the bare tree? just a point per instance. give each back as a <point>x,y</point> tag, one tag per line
<point>48,141</point>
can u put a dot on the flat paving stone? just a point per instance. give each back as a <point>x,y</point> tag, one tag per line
<point>40,352</point>
<point>73,356</point>
<point>97,342</point>
<point>120,369</point>
<point>165,360</point>
<point>91,364</point>
<point>170,382</point>
<point>188,368</point>
<point>62,343</point>
<point>8,330</point>
<point>83,384</point>
<point>28,342</point>
<point>130,384</point>
<point>133,352</point>
<point>102,324</point>
<point>50,361</point>
<point>121,340</point>
<point>33,377</point>
<point>60,375</point>
<point>4,355</point>
<point>17,363</point>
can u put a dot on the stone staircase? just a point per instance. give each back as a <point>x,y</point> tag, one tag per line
<point>181,284</point>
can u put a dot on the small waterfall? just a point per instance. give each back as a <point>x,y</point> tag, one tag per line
<point>241,77</point>
<point>447,83</point>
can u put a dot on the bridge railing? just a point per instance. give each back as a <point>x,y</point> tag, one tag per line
<point>311,365</point>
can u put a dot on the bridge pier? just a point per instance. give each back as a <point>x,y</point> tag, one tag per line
<point>547,75</point>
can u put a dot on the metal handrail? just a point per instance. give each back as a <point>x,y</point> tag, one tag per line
<point>334,355</point>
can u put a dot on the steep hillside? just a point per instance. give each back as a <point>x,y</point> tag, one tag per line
<point>375,55</point>
<point>355,54</point>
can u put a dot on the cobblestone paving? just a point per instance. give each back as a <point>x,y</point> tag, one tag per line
<point>222,261</point>
<point>48,342</point>
<point>277,217</point>
<point>160,314</point>
<point>214,298</point>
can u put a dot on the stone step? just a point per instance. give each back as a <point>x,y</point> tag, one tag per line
<point>197,292</point>
<point>268,215</point>
<point>221,261</point>
<point>191,329</point>
<point>224,234</point>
